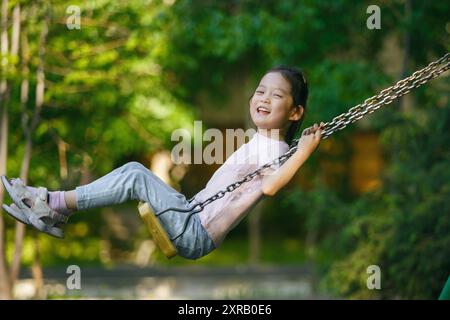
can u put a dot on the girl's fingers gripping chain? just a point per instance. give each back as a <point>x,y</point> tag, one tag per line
<point>313,129</point>
<point>320,130</point>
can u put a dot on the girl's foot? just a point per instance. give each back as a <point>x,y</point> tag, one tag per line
<point>55,199</point>
<point>31,204</point>
<point>17,214</point>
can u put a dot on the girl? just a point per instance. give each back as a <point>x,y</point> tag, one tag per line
<point>277,109</point>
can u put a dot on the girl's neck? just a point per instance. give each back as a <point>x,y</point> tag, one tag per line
<point>274,134</point>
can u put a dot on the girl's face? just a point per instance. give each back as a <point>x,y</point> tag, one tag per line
<point>271,106</point>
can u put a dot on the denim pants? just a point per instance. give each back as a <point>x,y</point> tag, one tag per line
<point>133,181</point>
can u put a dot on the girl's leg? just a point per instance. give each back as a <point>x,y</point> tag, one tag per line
<point>66,201</point>
<point>136,182</point>
<point>133,181</point>
<point>70,197</point>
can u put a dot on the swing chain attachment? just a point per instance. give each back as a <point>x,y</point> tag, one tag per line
<point>385,97</point>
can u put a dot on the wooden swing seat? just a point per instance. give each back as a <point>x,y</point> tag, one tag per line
<point>157,231</point>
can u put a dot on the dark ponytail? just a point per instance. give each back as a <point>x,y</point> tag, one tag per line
<point>299,92</point>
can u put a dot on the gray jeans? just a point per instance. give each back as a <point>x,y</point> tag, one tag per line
<point>133,181</point>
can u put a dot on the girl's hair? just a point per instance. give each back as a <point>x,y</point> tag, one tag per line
<point>299,93</point>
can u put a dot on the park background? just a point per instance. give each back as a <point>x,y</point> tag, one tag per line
<point>77,103</point>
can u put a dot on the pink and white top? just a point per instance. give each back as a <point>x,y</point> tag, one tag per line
<point>222,215</point>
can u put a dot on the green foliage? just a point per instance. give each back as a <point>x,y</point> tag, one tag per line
<point>403,227</point>
<point>118,87</point>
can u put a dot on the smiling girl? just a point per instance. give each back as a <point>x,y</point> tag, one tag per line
<point>277,108</point>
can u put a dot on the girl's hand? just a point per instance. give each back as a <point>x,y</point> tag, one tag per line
<point>310,138</point>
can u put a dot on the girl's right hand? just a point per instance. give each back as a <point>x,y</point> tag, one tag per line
<point>310,138</point>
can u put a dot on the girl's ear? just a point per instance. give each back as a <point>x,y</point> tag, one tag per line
<point>296,113</point>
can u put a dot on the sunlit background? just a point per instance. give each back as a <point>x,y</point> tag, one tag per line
<point>79,102</point>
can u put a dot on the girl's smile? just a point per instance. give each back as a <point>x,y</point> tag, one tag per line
<point>271,106</point>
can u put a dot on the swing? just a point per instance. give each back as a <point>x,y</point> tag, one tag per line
<point>157,231</point>
<point>385,97</point>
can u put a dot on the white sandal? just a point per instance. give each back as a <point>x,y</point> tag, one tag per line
<point>33,209</point>
<point>15,212</point>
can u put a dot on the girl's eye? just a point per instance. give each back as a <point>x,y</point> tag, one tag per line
<point>277,95</point>
<point>259,92</point>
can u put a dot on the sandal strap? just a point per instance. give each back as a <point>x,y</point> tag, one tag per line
<point>58,217</point>
<point>42,193</point>
<point>21,190</point>
<point>41,209</point>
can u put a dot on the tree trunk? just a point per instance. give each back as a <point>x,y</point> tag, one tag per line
<point>62,149</point>
<point>40,90</point>
<point>36,270</point>
<point>5,284</point>
<point>24,90</point>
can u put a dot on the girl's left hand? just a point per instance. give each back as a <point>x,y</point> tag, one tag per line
<point>311,137</point>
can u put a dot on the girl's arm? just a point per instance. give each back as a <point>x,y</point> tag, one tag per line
<point>308,142</point>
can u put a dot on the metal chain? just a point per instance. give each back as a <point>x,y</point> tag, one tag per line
<point>387,95</point>
<point>338,123</point>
